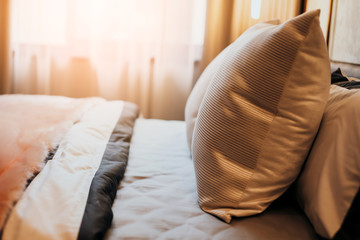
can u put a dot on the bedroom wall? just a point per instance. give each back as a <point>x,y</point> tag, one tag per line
<point>344,45</point>
<point>339,22</point>
<point>325,7</point>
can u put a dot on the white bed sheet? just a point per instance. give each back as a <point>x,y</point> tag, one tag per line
<point>157,198</point>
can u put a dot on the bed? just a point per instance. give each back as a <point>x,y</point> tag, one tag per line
<point>91,169</point>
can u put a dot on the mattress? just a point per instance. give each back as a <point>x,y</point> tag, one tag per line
<point>157,198</point>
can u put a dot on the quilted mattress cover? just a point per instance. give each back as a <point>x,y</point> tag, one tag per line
<point>157,198</point>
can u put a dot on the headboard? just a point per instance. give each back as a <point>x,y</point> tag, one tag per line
<point>339,22</point>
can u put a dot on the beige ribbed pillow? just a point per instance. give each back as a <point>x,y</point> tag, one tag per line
<point>259,116</point>
<point>197,94</point>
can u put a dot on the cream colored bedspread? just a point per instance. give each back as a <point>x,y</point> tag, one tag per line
<point>157,198</point>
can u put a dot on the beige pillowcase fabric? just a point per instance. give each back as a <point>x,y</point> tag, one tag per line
<point>259,116</point>
<point>197,94</point>
<point>331,176</point>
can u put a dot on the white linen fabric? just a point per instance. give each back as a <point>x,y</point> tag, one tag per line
<point>331,176</point>
<point>24,118</point>
<point>52,206</point>
<point>157,198</point>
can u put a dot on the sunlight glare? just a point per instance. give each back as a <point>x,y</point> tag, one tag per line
<point>255,8</point>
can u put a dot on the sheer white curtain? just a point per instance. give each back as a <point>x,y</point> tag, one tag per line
<point>137,50</point>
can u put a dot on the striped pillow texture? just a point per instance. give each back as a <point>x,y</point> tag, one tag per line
<point>259,116</point>
<point>197,94</point>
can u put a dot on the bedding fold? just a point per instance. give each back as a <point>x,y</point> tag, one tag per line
<point>98,214</point>
<point>31,126</point>
<point>63,198</point>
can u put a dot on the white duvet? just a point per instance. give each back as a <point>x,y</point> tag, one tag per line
<point>30,126</point>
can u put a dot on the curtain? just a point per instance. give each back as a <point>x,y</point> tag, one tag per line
<point>141,51</point>
<point>4,47</point>
<point>227,20</point>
